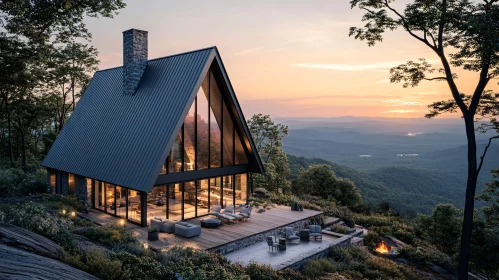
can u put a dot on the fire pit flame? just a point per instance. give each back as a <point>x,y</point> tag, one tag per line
<point>382,248</point>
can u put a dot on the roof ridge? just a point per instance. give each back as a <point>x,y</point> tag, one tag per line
<point>163,57</point>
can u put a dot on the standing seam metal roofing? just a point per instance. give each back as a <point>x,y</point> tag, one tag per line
<point>123,139</point>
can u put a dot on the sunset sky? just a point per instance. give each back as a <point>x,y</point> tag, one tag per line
<point>286,58</point>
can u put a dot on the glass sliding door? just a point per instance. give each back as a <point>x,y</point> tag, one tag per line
<point>203,206</point>
<point>100,196</point>
<point>121,201</point>
<point>110,199</point>
<point>133,205</point>
<point>189,200</point>
<point>156,203</point>
<point>228,191</point>
<point>175,202</point>
<point>241,189</point>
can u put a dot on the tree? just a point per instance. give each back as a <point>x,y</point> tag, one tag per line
<point>462,34</point>
<point>491,195</point>
<point>441,227</point>
<point>38,53</point>
<point>70,68</point>
<point>268,137</point>
<point>319,180</point>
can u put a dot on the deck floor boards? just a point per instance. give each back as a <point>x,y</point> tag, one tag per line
<point>277,217</point>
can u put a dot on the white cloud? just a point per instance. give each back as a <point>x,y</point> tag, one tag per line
<point>399,111</point>
<point>399,102</point>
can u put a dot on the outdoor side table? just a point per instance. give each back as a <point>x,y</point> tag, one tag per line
<point>282,244</point>
<point>304,235</point>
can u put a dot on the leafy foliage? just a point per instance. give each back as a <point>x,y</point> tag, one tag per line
<point>319,180</point>
<point>268,137</point>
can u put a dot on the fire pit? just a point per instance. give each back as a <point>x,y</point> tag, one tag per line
<point>385,250</point>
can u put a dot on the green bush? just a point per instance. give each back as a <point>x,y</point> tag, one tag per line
<point>318,268</point>
<point>110,235</point>
<point>426,256</point>
<point>371,240</point>
<point>35,217</point>
<point>262,272</point>
<point>97,263</point>
<point>15,182</point>
<point>339,229</point>
<point>140,267</point>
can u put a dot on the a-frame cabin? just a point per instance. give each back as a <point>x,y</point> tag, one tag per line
<point>156,138</point>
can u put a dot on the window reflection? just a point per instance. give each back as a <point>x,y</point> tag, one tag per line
<point>241,189</point>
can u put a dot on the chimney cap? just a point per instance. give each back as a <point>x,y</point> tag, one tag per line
<point>135,29</point>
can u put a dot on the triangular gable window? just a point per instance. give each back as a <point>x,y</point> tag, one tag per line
<point>199,144</point>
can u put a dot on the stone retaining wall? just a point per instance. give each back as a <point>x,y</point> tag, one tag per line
<point>298,262</point>
<point>260,237</point>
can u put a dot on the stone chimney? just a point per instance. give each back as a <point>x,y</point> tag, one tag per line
<point>134,59</point>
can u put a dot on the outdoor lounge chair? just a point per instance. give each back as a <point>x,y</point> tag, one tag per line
<point>215,211</point>
<point>290,234</point>
<point>272,244</point>
<point>245,212</point>
<point>315,232</point>
<point>229,210</point>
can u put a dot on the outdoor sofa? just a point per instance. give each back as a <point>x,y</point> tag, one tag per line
<point>164,225</point>
<point>187,230</point>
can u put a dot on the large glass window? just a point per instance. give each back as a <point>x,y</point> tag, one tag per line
<point>121,201</point>
<point>156,202</point>
<point>100,195</point>
<point>241,184</point>
<point>189,200</point>
<point>110,202</point>
<point>239,150</point>
<point>71,184</point>
<point>202,197</point>
<point>190,138</point>
<point>134,206</point>
<point>175,158</point>
<point>175,202</point>
<point>228,136</point>
<point>215,191</point>
<point>215,124</point>
<point>202,128</point>
<point>52,179</point>
<point>228,191</point>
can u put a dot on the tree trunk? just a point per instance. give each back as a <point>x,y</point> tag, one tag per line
<point>23,145</point>
<point>9,130</point>
<point>469,205</point>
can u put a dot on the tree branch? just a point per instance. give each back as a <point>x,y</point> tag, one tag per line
<point>482,157</point>
<point>436,78</point>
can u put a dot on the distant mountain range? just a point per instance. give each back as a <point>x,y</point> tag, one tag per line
<point>411,163</point>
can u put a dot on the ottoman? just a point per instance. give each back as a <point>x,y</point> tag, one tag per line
<point>210,223</point>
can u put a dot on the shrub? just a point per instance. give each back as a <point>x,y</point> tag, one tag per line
<point>97,263</point>
<point>34,217</point>
<point>339,229</point>
<point>407,237</point>
<point>262,272</point>
<point>140,267</point>
<point>371,240</point>
<point>15,182</point>
<point>318,268</point>
<point>110,235</point>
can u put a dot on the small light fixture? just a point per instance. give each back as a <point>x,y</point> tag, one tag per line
<point>64,211</point>
<point>73,214</point>
<point>146,245</point>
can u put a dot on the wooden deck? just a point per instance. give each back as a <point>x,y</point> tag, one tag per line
<point>277,217</point>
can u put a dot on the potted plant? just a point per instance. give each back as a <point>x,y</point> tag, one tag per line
<point>153,233</point>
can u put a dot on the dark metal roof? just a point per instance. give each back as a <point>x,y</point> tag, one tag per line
<point>124,139</point>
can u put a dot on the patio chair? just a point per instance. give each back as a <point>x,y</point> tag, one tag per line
<point>229,210</point>
<point>290,234</point>
<point>272,244</point>
<point>315,232</point>
<point>215,211</point>
<point>245,212</point>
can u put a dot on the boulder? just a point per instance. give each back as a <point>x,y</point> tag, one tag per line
<point>29,241</point>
